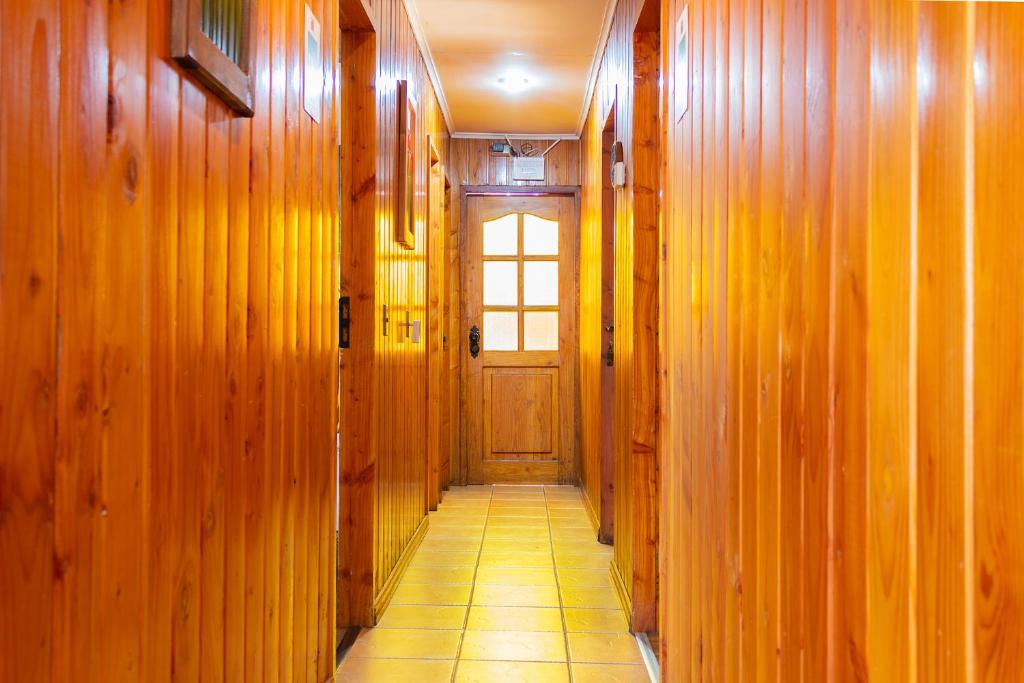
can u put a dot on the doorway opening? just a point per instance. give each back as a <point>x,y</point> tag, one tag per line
<point>520,305</point>
<point>606,528</point>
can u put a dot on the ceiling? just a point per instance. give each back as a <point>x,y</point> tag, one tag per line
<point>545,50</point>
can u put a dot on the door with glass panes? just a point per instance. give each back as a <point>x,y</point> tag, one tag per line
<point>519,299</point>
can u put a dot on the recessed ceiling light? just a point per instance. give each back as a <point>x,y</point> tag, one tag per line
<point>514,81</point>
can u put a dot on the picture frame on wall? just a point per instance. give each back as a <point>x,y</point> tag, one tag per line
<point>405,168</point>
<point>682,62</point>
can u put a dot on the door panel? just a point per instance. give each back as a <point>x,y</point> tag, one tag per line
<point>521,414</point>
<point>520,292</point>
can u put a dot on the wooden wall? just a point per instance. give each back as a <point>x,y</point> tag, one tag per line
<point>471,164</point>
<point>168,278</point>
<point>384,377</point>
<point>841,336</point>
<point>628,80</point>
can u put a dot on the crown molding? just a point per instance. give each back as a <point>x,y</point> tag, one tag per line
<point>595,65</point>
<point>511,136</point>
<point>428,60</point>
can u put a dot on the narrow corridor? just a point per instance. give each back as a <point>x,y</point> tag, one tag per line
<point>508,585</point>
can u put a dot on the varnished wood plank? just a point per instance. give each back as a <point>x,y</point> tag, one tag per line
<point>818,307</point>
<point>234,438</point>
<point>214,453</point>
<point>257,411</point>
<point>166,478</point>
<point>892,334</point>
<point>191,246</point>
<point>83,206</point>
<point>28,284</point>
<point>849,344</point>
<point>996,365</point>
<point>793,410</point>
<point>125,373</point>
<point>945,46</point>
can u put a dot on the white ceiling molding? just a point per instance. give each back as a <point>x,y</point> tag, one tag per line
<point>502,136</point>
<point>428,59</point>
<point>595,66</point>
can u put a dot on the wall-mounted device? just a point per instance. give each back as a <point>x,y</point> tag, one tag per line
<point>501,149</point>
<point>618,166</point>
<point>528,168</point>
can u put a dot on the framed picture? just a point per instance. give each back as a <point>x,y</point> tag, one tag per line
<point>682,60</point>
<point>405,169</point>
<point>211,38</point>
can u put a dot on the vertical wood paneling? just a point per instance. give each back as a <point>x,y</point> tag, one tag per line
<point>29,232</point>
<point>998,425</point>
<point>384,376</point>
<point>144,261</point>
<point>870,394</point>
<point>629,74</point>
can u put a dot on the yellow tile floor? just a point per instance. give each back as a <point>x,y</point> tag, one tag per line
<point>508,585</point>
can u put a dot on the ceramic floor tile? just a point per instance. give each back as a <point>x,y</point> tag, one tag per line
<point>603,598</point>
<point>450,544</point>
<point>512,559</point>
<point>588,620</point>
<point>439,575</point>
<point>502,512</point>
<point>514,619</point>
<point>604,648</point>
<point>406,643</point>
<point>423,616</point>
<point>523,646</point>
<point>535,534</point>
<point>469,671</point>
<point>582,548</point>
<point>425,594</point>
<point>424,558</point>
<point>504,545</point>
<point>517,522</point>
<point>362,670</point>
<point>515,596</point>
<point>584,578</point>
<point>528,576</point>
<point>583,560</point>
<point>610,673</point>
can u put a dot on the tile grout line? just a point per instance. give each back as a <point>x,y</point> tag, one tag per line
<point>472,588</point>
<point>558,586</point>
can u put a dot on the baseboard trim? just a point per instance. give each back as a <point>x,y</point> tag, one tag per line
<point>594,521</point>
<point>383,598</point>
<point>620,589</point>
<point>649,656</point>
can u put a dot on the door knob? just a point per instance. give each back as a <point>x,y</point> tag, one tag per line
<point>474,341</point>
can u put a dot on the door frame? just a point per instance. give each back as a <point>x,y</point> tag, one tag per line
<point>467,192</point>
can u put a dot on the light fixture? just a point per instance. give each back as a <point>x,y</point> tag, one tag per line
<point>514,81</point>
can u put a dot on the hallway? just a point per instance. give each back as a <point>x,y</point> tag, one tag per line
<point>508,585</point>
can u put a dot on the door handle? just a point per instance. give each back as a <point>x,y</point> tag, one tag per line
<point>609,355</point>
<point>474,341</point>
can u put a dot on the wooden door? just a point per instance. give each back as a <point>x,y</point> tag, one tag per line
<point>520,301</point>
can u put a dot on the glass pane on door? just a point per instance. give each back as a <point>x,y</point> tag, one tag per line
<point>501,331</point>
<point>501,283</point>
<point>540,331</point>
<point>540,236</point>
<point>501,236</point>
<point>540,283</point>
